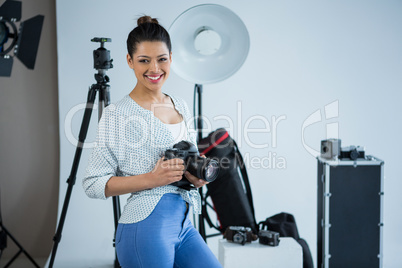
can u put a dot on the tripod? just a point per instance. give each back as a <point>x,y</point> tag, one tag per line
<point>102,62</point>
<point>3,244</point>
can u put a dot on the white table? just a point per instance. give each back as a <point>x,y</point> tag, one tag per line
<point>287,255</point>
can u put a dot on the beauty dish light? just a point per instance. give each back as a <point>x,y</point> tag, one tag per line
<point>210,44</point>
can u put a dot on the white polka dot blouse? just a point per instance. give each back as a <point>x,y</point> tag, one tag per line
<point>130,140</point>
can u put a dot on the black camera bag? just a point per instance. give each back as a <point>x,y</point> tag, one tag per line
<point>285,224</point>
<point>230,192</point>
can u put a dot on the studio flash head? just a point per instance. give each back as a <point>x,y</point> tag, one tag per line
<point>21,42</point>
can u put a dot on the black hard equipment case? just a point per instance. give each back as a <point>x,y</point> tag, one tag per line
<point>350,212</point>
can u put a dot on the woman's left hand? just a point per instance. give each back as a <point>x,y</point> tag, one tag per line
<point>194,180</point>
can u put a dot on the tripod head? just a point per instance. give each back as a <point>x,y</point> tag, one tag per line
<point>102,60</point>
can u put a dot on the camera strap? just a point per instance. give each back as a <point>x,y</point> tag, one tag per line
<point>245,179</point>
<point>206,215</point>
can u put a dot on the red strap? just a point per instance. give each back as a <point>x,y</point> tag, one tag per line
<point>213,145</point>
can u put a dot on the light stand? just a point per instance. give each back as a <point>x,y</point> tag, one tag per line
<point>4,233</point>
<point>201,223</point>
<point>22,250</point>
<point>211,43</point>
<point>204,203</point>
<point>102,62</point>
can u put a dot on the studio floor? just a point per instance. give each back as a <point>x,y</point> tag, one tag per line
<point>23,262</point>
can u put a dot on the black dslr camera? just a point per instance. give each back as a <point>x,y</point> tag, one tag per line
<point>352,152</point>
<point>204,168</point>
<point>239,234</point>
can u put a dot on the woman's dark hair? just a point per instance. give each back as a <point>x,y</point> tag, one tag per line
<point>148,29</point>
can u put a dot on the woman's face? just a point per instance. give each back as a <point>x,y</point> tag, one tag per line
<point>151,64</point>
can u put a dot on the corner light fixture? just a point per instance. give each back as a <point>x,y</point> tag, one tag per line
<point>25,41</point>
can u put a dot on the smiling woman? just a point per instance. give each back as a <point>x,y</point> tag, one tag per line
<point>154,229</point>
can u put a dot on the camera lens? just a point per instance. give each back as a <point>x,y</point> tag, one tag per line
<point>211,170</point>
<point>354,154</point>
<point>240,238</point>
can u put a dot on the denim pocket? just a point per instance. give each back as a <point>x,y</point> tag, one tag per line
<point>119,232</point>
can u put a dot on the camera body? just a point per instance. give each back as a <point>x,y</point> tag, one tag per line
<point>239,234</point>
<point>203,168</point>
<point>352,152</point>
<point>269,238</point>
<point>330,148</point>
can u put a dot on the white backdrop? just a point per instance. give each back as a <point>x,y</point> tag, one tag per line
<point>341,60</point>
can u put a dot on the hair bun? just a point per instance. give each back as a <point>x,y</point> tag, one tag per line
<point>146,19</point>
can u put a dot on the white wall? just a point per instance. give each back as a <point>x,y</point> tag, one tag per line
<point>303,56</point>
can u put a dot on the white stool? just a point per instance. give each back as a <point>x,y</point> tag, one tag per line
<point>287,255</point>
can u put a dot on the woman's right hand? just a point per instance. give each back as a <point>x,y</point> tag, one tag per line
<point>167,171</point>
<point>164,172</point>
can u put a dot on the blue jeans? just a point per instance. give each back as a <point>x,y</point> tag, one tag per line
<point>165,239</point>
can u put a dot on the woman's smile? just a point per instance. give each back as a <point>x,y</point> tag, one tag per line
<point>154,78</point>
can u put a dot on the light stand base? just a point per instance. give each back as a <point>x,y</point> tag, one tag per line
<point>21,249</point>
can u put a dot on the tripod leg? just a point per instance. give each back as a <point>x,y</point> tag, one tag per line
<point>116,213</point>
<point>71,180</point>
<point>22,250</point>
<point>104,101</point>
